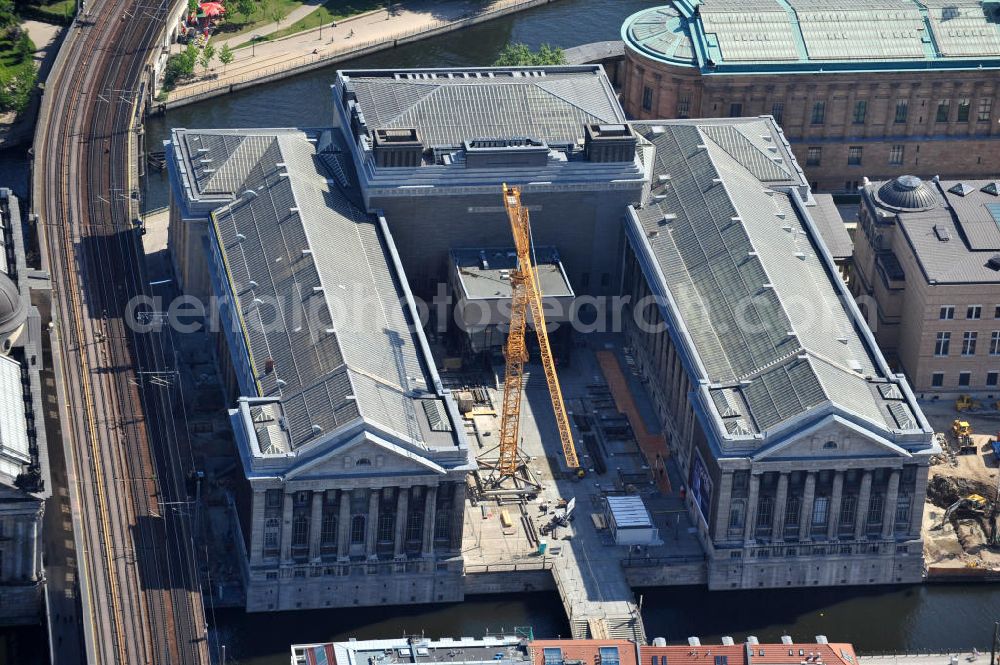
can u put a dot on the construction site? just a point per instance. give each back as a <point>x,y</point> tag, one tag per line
<point>963,492</point>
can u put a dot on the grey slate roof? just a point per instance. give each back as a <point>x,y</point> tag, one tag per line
<point>970,222</point>
<point>448,107</point>
<point>831,227</point>
<point>743,267</point>
<point>318,303</point>
<point>14,450</point>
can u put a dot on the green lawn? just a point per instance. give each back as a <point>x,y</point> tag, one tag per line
<point>266,9</point>
<point>332,10</point>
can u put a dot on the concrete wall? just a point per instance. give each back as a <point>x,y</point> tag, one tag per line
<point>585,226</point>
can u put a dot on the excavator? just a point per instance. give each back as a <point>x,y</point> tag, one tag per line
<point>526,294</point>
<point>977,506</point>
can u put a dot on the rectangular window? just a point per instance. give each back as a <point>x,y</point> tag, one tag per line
<point>974,312</point>
<point>778,111</point>
<point>964,378</point>
<point>947,313</point>
<point>854,155</point>
<point>609,655</point>
<point>896,154</point>
<point>985,109</point>
<point>328,532</point>
<point>386,527</point>
<point>969,343</point>
<point>814,156</point>
<point>272,498</point>
<point>942,344</point>
<point>903,509</point>
<point>415,526</point>
<point>860,110</point>
<point>821,507</point>
<point>735,110</point>
<point>995,343</point>
<point>963,110</point>
<point>902,110</point>
<point>937,379</point>
<point>875,509</point>
<point>683,106</point>
<point>996,312</point>
<point>991,379</point>
<point>818,113</point>
<point>943,108</point>
<point>847,508</point>
<point>765,509</point>
<point>737,511</point>
<point>792,511</point>
<point>647,98</point>
<point>300,531</point>
<point>552,656</point>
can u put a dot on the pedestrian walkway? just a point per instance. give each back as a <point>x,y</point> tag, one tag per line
<point>410,20</point>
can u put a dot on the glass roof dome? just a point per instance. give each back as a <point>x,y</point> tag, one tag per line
<point>906,193</point>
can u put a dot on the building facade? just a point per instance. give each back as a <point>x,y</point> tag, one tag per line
<point>354,456</point>
<point>522,649</point>
<point>806,457</point>
<point>433,147</point>
<point>927,270</point>
<point>24,470</point>
<point>927,104</point>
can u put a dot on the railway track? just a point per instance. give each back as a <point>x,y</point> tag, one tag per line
<point>138,570</point>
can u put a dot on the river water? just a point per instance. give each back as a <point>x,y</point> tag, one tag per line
<point>932,617</point>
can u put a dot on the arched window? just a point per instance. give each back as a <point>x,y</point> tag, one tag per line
<point>830,445</point>
<point>363,461</point>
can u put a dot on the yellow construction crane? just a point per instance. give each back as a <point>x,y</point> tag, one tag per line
<point>525,293</point>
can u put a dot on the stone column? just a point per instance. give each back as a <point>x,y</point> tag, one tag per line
<point>457,516</point>
<point>287,506</point>
<point>752,499</point>
<point>917,507</point>
<point>836,497</point>
<point>889,509</point>
<point>864,496</point>
<point>806,513</point>
<point>371,523</point>
<point>257,528</point>
<point>315,525</point>
<point>344,527</point>
<point>780,499</point>
<point>402,505</point>
<point>430,511</point>
<point>723,507</point>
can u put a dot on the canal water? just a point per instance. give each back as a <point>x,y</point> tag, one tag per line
<point>927,618</point>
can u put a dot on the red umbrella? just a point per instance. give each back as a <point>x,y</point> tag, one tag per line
<point>212,8</point>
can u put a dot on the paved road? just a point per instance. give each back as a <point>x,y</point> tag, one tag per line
<point>139,591</point>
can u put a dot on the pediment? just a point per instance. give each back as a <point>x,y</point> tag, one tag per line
<point>831,438</point>
<point>366,455</point>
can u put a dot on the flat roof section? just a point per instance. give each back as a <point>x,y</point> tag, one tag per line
<point>955,234</point>
<point>485,273</point>
<point>14,447</point>
<point>450,106</point>
<point>741,36</point>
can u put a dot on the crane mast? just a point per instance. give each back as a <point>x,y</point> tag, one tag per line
<point>526,293</point>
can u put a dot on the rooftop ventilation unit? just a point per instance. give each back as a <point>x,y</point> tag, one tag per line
<point>609,143</point>
<point>786,639</point>
<point>397,148</point>
<point>942,233</point>
<point>727,641</point>
<point>694,642</point>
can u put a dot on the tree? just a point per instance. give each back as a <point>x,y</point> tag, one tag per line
<point>276,15</point>
<point>16,87</point>
<point>519,55</point>
<point>244,8</point>
<point>192,6</point>
<point>226,56</point>
<point>207,55</point>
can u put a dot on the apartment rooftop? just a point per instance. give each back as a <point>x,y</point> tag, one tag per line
<point>951,226</point>
<point>750,36</point>
<point>495,650</point>
<point>326,326</point>
<point>765,322</point>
